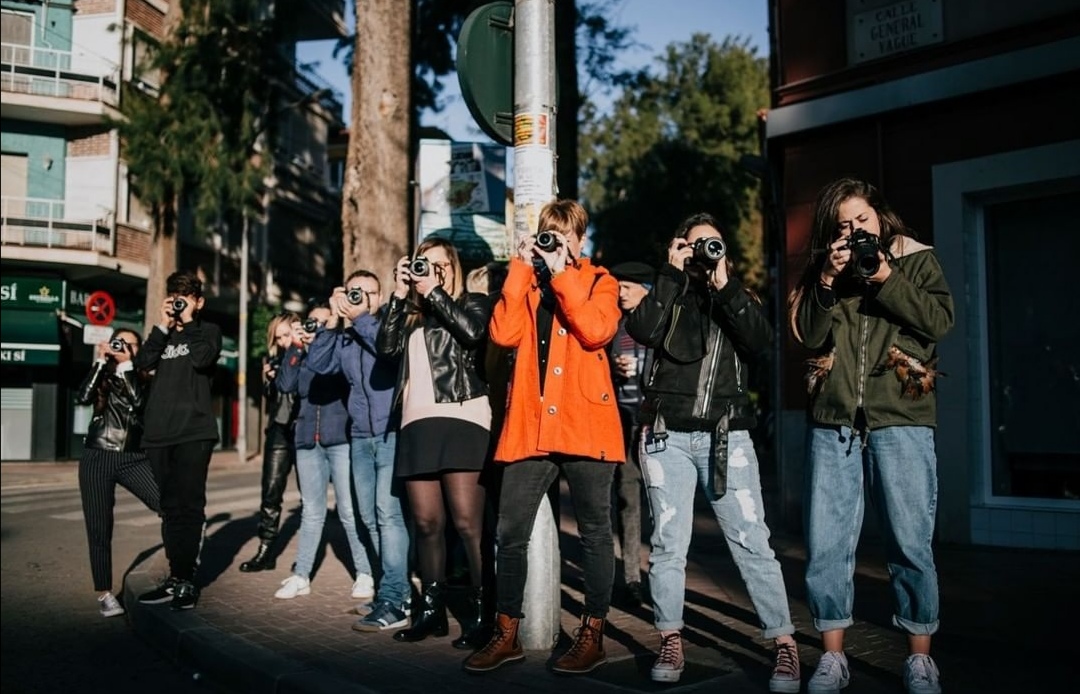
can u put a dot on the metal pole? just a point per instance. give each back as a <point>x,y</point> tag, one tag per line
<point>534,186</point>
<point>242,347</point>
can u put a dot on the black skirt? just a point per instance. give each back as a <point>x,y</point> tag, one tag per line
<point>440,444</point>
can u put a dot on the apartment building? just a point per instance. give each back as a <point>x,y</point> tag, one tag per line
<point>964,113</point>
<point>75,237</point>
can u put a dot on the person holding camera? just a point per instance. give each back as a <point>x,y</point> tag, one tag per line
<point>278,451</point>
<point>630,361</point>
<point>559,312</point>
<point>352,352</point>
<point>706,328</point>
<point>321,437</point>
<point>112,453</point>
<point>438,331</point>
<point>872,304</point>
<point>181,429</point>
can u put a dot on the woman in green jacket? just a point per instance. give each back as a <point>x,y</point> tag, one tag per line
<point>871,305</point>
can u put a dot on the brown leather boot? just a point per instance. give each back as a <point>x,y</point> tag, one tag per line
<point>501,649</point>
<point>587,652</point>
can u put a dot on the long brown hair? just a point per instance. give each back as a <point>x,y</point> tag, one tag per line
<point>457,286</point>
<point>824,231</point>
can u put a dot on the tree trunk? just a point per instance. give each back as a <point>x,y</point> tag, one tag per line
<point>566,124</point>
<point>376,225</point>
<point>163,253</point>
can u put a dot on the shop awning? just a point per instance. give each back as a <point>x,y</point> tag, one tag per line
<point>29,337</point>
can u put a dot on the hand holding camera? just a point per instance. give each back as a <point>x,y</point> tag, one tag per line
<point>424,275</point>
<point>862,252</point>
<point>551,247</point>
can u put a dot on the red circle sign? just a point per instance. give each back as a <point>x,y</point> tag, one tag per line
<point>100,308</point>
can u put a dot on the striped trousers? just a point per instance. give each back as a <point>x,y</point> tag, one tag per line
<point>99,473</point>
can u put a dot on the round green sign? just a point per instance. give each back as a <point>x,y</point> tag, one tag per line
<point>485,67</point>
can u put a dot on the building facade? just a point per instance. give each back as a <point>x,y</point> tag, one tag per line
<point>964,113</point>
<point>75,238</point>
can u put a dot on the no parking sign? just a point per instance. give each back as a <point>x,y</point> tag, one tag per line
<point>100,308</point>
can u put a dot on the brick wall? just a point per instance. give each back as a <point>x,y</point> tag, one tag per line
<point>88,142</point>
<point>132,244</point>
<point>84,7</point>
<point>145,16</point>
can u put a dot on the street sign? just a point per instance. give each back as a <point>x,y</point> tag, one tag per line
<point>96,334</point>
<point>485,67</point>
<point>100,308</point>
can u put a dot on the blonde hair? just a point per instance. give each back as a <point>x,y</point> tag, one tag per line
<point>567,217</point>
<point>271,330</point>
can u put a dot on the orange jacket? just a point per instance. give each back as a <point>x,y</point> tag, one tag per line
<point>577,415</point>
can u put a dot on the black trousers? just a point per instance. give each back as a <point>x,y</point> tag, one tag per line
<point>279,456</point>
<point>99,473</point>
<point>180,471</point>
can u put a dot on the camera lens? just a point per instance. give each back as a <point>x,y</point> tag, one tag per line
<point>864,246</point>
<point>117,345</point>
<point>420,267</point>
<point>547,241</point>
<point>178,306</point>
<point>355,296</point>
<point>310,325</point>
<point>709,250</point>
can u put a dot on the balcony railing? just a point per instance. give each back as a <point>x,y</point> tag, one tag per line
<point>41,222</point>
<point>47,72</point>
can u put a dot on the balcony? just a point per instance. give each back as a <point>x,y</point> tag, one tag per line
<point>36,223</point>
<point>40,85</point>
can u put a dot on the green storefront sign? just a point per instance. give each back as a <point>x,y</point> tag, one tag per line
<point>30,334</point>
<point>31,293</point>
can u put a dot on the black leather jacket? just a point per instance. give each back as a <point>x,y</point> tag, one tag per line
<point>703,340</point>
<point>455,333</point>
<point>118,426</point>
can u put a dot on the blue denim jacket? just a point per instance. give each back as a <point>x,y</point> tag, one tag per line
<point>371,378</point>
<point>323,418</point>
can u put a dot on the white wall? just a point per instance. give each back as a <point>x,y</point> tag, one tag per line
<point>89,185</point>
<point>96,50</point>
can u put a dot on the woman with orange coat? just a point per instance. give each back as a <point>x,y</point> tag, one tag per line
<point>558,311</point>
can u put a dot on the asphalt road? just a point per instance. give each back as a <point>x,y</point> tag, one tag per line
<point>54,639</point>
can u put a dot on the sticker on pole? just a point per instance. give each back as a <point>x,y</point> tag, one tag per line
<point>100,308</point>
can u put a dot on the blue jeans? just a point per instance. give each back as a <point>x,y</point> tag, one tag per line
<point>900,469</point>
<point>316,468</point>
<point>524,485</point>
<point>671,478</point>
<point>380,512</point>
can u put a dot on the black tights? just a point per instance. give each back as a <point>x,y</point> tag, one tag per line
<point>464,498</point>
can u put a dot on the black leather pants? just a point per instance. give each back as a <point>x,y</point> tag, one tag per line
<point>278,459</point>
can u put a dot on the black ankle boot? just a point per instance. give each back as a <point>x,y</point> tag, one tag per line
<point>476,630</point>
<point>262,561</point>
<point>428,618</point>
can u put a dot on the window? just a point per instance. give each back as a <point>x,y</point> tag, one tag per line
<point>16,30</point>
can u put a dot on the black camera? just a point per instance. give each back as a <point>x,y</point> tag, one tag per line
<point>547,241</point>
<point>117,345</point>
<point>709,250</point>
<point>178,306</point>
<point>355,296</point>
<point>420,266</point>
<point>274,362</point>
<point>310,325</point>
<point>864,248</point>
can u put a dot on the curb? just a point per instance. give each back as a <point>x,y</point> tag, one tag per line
<point>227,661</point>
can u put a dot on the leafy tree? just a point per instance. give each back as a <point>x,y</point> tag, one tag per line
<point>192,144</point>
<point>671,147</point>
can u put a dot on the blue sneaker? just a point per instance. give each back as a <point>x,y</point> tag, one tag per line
<point>384,616</point>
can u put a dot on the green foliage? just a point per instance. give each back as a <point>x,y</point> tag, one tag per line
<point>260,321</point>
<point>671,147</point>
<point>194,141</point>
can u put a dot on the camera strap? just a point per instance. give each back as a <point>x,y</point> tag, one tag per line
<point>720,453</point>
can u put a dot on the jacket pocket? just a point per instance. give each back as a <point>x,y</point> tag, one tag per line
<point>596,388</point>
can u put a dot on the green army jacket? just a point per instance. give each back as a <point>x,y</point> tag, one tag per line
<point>875,347</point>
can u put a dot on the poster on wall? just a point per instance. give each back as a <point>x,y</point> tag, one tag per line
<point>463,198</point>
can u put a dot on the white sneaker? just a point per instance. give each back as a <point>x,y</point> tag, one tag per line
<point>292,586</point>
<point>832,674</point>
<point>921,675</point>
<point>109,606</point>
<point>364,587</point>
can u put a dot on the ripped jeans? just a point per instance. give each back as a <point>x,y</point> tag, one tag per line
<point>671,478</point>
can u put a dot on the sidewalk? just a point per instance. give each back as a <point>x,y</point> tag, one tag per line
<point>1007,621</point>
